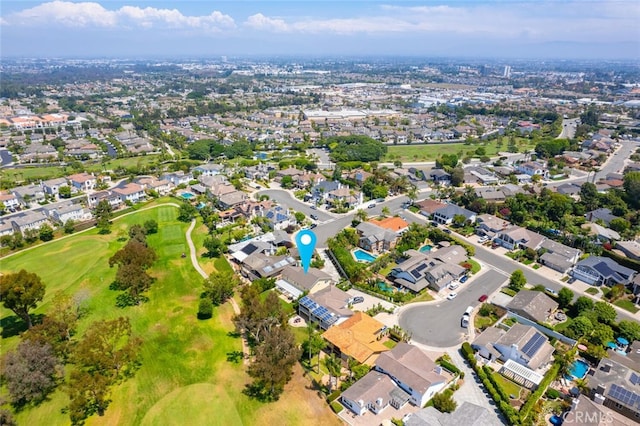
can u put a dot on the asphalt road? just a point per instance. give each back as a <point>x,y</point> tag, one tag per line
<point>438,324</point>
<point>330,224</point>
<point>5,158</point>
<point>284,198</point>
<point>569,127</point>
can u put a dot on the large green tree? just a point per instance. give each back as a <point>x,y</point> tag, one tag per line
<point>356,148</point>
<point>273,365</point>
<point>20,292</point>
<point>632,187</point>
<point>220,286</point>
<point>133,260</point>
<point>103,214</point>
<point>106,354</point>
<point>565,296</point>
<point>517,280</point>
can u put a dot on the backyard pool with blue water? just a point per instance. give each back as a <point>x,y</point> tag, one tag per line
<point>187,195</point>
<point>578,370</point>
<point>363,256</point>
<point>425,249</point>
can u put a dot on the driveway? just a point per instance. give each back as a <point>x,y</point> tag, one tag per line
<point>437,324</point>
<point>369,301</point>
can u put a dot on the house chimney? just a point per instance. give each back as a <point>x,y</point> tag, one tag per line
<point>514,351</point>
<point>598,399</point>
<point>607,367</point>
<point>379,401</point>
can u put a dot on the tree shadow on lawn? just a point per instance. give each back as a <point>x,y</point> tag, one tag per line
<point>14,325</point>
<point>235,356</point>
<point>234,334</point>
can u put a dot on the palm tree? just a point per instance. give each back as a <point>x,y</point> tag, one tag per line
<point>385,211</point>
<point>334,367</point>
<point>361,215</point>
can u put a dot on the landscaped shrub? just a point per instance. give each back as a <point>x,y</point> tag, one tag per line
<point>336,407</point>
<point>467,350</point>
<point>449,366</point>
<point>552,394</point>
<point>205,309</point>
<point>444,402</point>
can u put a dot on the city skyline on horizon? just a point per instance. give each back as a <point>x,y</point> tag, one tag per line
<point>606,30</point>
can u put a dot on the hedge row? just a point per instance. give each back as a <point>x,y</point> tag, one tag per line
<point>489,383</point>
<point>544,384</point>
<point>449,366</point>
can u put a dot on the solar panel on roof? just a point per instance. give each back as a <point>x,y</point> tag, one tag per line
<point>533,345</point>
<point>421,267</point>
<point>635,379</point>
<point>415,273</point>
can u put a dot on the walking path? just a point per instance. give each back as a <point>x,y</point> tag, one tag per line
<point>196,265</point>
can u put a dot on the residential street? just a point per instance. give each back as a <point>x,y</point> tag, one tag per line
<point>437,323</point>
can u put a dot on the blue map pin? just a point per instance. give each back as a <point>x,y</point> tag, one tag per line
<point>306,242</point>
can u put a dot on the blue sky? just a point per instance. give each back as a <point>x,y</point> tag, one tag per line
<point>596,29</point>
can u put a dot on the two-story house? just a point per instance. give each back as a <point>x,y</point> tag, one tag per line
<point>83,182</point>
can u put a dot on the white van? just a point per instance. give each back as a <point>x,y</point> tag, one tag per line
<point>464,321</point>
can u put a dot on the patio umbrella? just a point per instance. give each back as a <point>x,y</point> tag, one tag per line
<point>582,347</point>
<point>611,345</point>
<point>622,341</point>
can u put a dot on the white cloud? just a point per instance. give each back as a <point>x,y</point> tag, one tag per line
<point>90,14</point>
<point>539,21</point>
<point>261,22</point>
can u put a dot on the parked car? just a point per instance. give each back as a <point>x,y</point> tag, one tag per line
<point>313,207</point>
<point>372,205</point>
<point>313,225</point>
<point>314,216</point>
<point>358,299</point>
<point>483,239</point>
<point>464,278</point>
<point>446,231</point>
<point>454,285</point>
<point>452,296</point>
<point>483,298</point>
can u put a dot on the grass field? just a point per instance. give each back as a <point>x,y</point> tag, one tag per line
<point>185,375</point>
<point>31,173</point>
<point>430,152</point>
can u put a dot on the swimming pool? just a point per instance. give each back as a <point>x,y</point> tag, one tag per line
<point>578,369</point>
<point>187,195</point>
<point>363,256</point>
<point>425,248</point>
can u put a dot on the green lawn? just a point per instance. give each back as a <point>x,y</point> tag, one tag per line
<point>482,323</point>
<point>433,151</point>
<point>424,297</point>
<point>626,304</point>
<point>475,266</point>
<point>592,290</point>
<point>48,172</point>
<point>509,387</point>
<point>390,344</point>
<point>185,376</point>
